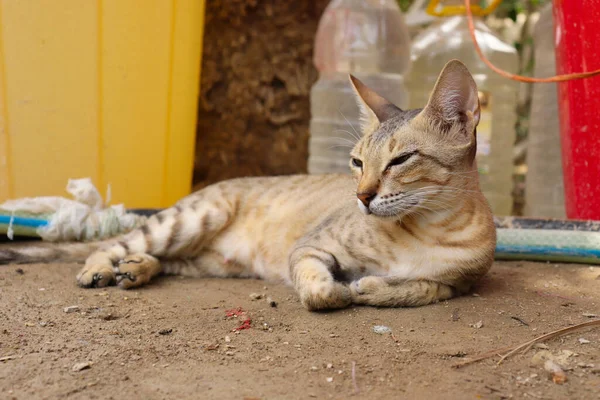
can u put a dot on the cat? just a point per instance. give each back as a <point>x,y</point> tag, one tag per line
<point>408,227</point>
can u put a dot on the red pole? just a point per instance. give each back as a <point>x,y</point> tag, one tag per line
<point>577,40</point>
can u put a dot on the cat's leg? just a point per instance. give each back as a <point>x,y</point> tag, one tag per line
<point>138,269</point>
<point>182,231</point>
<point>210,264</point>
<point>311,272</point>
<point>396,292</point>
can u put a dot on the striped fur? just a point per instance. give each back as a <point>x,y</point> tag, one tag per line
<point>422,231</point>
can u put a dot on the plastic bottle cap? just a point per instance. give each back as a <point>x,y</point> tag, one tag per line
<point>446,8</point>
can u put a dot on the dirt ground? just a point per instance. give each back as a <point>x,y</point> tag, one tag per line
<point>173,339</point>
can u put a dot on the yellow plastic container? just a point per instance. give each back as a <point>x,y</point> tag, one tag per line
<point>105,89</point>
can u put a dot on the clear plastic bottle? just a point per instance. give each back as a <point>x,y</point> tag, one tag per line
<point>544,194</point>
<point>448,39</point>
<point>369,39</point>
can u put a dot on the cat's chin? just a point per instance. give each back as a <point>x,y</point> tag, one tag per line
<point>380,214</point>
<point>390,213</point>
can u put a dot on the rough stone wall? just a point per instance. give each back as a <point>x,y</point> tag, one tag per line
<point>257,72</point>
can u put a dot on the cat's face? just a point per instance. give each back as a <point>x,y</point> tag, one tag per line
<point>418,160</point>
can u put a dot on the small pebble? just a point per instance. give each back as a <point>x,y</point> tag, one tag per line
<point>477,325</point>
<point>227,339</point>
<point>81,366</point>
<point>71,309</point>
<point>330,379</point>
<point>455,315</point>
<point>540,357</point>
<point>256,296</point>
<point>20,271</point>
<point>584,365</point>
<point>329,366</point>
<point>558,375</point>
<point>313,368</point>
<point>109,317</point>
<point>271,302</point>
<point>583,341</point>
<point>165,331</point>
<point>381,329</point>
<point>589,315</point>
<point>229,353</point>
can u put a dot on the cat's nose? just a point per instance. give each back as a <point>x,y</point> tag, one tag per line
<point>366,197</point>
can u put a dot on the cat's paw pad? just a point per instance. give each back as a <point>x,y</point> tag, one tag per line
<point>135,270</point>
<point>95,276</point>
<point>366,285</point>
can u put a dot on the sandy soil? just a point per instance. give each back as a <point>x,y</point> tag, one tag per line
<point>173,339</point>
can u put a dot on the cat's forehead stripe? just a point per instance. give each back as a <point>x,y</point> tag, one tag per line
<point>389,127</point>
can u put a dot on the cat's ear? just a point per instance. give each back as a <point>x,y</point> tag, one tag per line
<point>454,101</point>
<point>374,109</point>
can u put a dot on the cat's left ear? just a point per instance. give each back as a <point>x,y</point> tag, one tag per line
<point>374,109</point>
<point>454,100</point>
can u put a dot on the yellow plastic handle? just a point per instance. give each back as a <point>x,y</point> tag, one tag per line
<point>447,11</point>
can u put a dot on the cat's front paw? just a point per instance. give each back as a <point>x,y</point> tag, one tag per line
<point>366,285</point>
<point>325,295</point>
<point>367,290</point>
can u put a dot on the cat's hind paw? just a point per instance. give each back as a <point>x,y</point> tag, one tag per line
<point>96,276</point>
<point>136,270</point>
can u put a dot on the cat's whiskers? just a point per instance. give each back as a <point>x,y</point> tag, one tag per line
<point>445,206</point>
<point>451,197</point>
<point>464,174</point>
<point>446,187</point>
<point>353,143</point>
<point>357,135</point>
<point>416,210</point>
<point>340,145</point>
<point>449,190</point>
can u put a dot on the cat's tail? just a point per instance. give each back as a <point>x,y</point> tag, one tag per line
<point>48,252</point>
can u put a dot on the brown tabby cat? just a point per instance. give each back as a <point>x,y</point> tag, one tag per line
<point>422,230</point>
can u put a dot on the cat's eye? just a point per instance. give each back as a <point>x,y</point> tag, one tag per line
<point>401,159</point>
<point>357,163</point>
